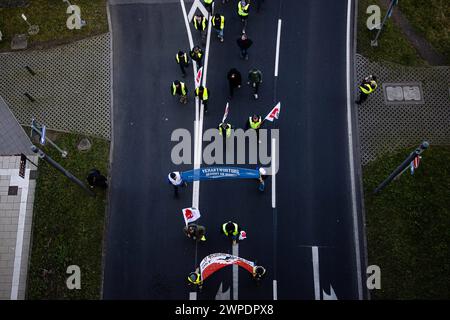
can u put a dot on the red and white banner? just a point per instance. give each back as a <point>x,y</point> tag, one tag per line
<point>198,78</point>
<point>275,113</point>
<point>225,115</point>
<point>217,261</point>
<point>190,215</point>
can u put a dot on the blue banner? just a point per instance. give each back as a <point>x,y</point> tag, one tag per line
<point>219,173</point>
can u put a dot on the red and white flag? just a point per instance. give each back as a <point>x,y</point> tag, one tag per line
<point>225,115</point>
<point>198,78</point>
<point>415,164</point>
<point>275,113</point>
<point>190,215</point>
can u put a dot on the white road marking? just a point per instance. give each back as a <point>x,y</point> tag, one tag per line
<point>315,260</point>
<point>235,250</point>
<point>277,54</point>
<point>350,151</point>
<point>195,5</point>
<point>192,295</point>
<point>331,296</point>
<point>223,295</point>
<point>275,290</point>
<point>274,198</point>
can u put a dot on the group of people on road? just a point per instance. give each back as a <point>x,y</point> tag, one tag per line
<point>234,77</point>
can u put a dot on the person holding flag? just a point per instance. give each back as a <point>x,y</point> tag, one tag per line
<point>197,54</point>
<point>195,232</point>
<point>224,127</point>
<point>203,94</point>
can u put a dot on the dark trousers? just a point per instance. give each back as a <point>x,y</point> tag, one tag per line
<point>232,87</point>
<point>244,53</point>
<point>199,62</point>
<point>205,105</point>
<point>255,86</point>
<point>182,66</point>
<point>362,97</point>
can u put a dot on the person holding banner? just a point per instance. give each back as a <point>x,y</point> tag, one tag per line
<point>176,180</point>
<point>197,54</point>
<point>203,94</point>
<point>195,278</point>
<point>183,61</point>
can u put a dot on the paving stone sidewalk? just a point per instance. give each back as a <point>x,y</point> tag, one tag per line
<point>71,86</point>
<point>386,127</point>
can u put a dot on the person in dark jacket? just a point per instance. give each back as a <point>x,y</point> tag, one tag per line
<point>96,179</point>
<point>255,79</point>
<point>234,80</point>
<point>244,43</point>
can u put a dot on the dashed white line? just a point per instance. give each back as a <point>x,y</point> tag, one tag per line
<point>277,54</point>
<point>275,290</point>
<point>235,250</point>
<point>274,198</point>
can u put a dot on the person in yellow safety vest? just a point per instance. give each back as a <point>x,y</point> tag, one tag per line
<point>195,278</point>
<point>218,23</point>
<point>254,122</point>
<point>203,94</point>
<point>183,61</point>
<point>179,88</point>
<point>367,86</point>
<point>197,54</point>
<point>243,7</point>
<point>208,5</point>
<point>231,230</point>
<point>225,127</point>
<point>200,24</point>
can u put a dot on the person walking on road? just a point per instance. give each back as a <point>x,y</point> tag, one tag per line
<point>195,232</point>
<point>208,5</point>
<point>367,86</point>
<point>197,54</point>
<point>183,61</point>
<point>176,180</point>
<point>244,44</point>
<point>258,273</point>
<point>234,80</point>
<point>255,79</point>
<point>195,278</point>
<point>242,10</point>
<point>224,129</point>
<point>179,88</point>
<point>254,122</point>
<point>231,230</point>
<point>218,22</point>
<point>203,94</point>
<point>200,24</point>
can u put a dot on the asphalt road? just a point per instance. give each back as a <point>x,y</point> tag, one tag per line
<point>147,255</point>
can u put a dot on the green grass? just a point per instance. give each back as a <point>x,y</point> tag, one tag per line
<point>408,226</point>
<point>392,44</point>
<point>67,224</point>
<point>431,19</point>
<point>51,18</point>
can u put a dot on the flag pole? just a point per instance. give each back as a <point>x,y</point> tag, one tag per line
<point>401,167</point>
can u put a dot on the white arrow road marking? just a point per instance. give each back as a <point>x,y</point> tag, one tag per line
<point>315,260</point>
<point>223,295</point>
<point>331,296</point>
<point>199,5</point>
<point>235,250</point>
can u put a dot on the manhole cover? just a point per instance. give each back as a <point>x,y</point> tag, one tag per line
<point>19,42</point>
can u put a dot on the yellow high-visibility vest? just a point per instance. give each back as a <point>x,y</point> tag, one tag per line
<point>235,232</point>
<point>208,1</point>
<point>222,22</point>
<point>204,96</point>
<point>185,58</point>
<point>254,125</point>
<point>241,9</point>
<point>183,88</point>
<point>227,131</point>
<point>369,88</point>
<point>203,25</point>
